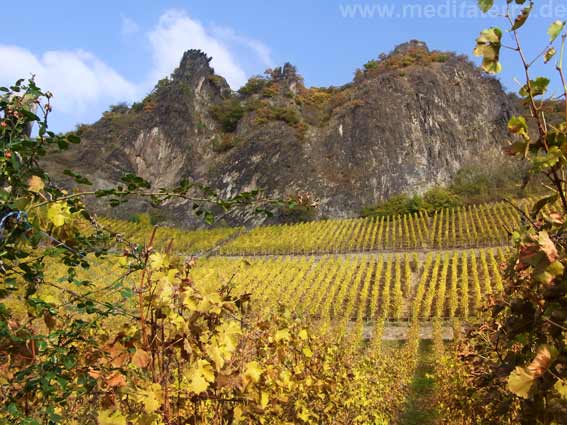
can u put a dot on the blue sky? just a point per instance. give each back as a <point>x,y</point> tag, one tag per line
<point>95,53</point>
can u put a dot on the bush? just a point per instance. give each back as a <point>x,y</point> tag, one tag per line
<point>490,182</point>
<point>372,64</point>
<point>399,204</point>
<point>228,114</point>
<point>433,200</point>
<point>439,198</point>
<point>253,86</point>
<point>274,113</point>
<point>303,207</point>
<point>119,108</point>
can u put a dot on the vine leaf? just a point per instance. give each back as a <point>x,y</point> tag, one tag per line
<point>561,387</point>
<point>538,86</point>
<point>35,184</point>
<point>151,398</point>
<point>488,45</point>
<point>253,372</point>
<point>140,358</point>
<point>541,362</point>
<point>522,17</point>
<point>59,213</point>
<point>549,54</point>
<point>520,382</point>
<point>200,376</point>
<point>485,5</point>
<point>555,29</point>
<point>521,379</point>
<point>110,417</point>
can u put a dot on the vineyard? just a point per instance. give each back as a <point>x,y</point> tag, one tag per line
<point>364,288</point>
<point>453,312</point>
<point>362,300</point>
<point>357,274</point>
<point>473,226</point>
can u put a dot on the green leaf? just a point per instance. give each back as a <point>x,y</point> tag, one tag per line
<point>547,160</point>
<point>485,5</point>
<point>517,125</point>
<point>539,86</point>
<point>72,138</point>
<point>555,29</point>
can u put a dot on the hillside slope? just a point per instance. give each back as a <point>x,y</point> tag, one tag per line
<point>407,122</point>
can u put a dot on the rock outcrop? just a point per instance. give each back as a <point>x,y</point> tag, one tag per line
<point>407,122</point>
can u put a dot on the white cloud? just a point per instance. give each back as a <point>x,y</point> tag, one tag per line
<point>259,49</point>
<point>77,78</point>
<point>84,85</point>
<point>176,32</point>
<point>129,26</point>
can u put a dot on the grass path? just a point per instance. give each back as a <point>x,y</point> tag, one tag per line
<point>420,409</point>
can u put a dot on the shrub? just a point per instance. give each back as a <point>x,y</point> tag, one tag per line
<point>433,200</point>
<point>438,198</point>
<point>493,181</point>
<point>228,113</point>
<point>275,113</point>
<point>399,204</point>
<point>372,64</point>
<point>119,108</point>
<point>270,90</point>
<point>253,86</point>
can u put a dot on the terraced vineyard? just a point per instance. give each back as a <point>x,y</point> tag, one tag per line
<point>377,289</point>
<point>197,241</point>
<point>358,273</point>
<point>365,288</point>
<point>475,226</point>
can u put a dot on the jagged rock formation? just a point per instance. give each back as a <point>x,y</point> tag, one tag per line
<point>407,122</point>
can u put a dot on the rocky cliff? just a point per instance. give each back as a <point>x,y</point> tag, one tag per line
<point>408,121</point>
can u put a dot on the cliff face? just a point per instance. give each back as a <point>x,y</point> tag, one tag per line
<point>407,122</point>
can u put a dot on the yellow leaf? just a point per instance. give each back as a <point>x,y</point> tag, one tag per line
<point>561,387</point>
<point>216,353</point>
<point>303,334</point>
<point>158,261</point>
<point>35,184</point>
<point>520,381</point>
<point>140,358</point>
<point>200,376</point>
<point>238,414</point>
<point>59,213</point>
<point>264,399</point>
<point>210,303</point>
<point>285,379</point>
<point>282,335</point>
<point>230,333</point>
<point>110,417</point>
<point>150,398</point>
<point>253,371</point>
<point>307,352</point>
